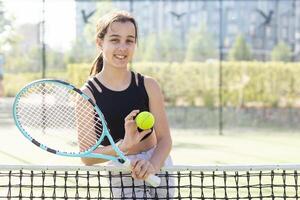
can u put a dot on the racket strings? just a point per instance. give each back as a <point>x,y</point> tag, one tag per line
<point>59,117</point>
<point>85,122</point>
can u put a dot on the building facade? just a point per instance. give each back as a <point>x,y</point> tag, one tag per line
<point>262,23</point>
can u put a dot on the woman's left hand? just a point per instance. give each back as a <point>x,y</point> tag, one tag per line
<point>141,169</point>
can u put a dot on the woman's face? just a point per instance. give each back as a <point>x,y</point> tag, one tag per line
<point>118,44</point>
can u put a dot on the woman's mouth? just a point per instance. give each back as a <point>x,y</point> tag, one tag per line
<point>120,57</point>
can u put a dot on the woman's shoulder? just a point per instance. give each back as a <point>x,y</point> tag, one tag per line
<point>153,89</point>
<point>148,81</point>
<point>151,84</point>
<point>90,87</point>
<point>93,84</point>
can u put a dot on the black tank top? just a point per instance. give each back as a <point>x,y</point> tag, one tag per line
<point>116,105</point>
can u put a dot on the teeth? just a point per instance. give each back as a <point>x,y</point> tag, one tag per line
<point>120,57</point>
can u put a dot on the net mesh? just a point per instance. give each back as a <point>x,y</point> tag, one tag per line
<point>58,117</point>
<point>258,182</point>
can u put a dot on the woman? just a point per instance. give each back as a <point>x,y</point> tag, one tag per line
<point>121,94</point>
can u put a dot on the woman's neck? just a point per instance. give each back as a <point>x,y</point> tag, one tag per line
<point>115,79</point>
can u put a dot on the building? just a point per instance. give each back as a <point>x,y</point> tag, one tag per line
<point>262,23</point>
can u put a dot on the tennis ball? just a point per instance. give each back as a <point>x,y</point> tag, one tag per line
<point>144,120</point>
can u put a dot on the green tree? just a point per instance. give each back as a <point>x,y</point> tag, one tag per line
<point>5,29</point>
<point>162,47</point>
<point>139,52</point>
<point>81,51</point>
<point>240,50</point>
<point>281,52</point>
<point>55,60</point>
<point>24,53</point>
<point>201,45</point>
<point>169,47</point>
<point>19,60</point>
<point>84,48</point>
<point>150,48</point>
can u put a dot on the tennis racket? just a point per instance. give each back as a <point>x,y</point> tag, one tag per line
<point>57,117</point>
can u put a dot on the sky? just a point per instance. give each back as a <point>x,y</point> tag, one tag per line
<point>59,17</point>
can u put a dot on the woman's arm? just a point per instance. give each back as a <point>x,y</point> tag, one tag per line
<point>132,136</point>
<point>83,131</point>
<point>142,168</point>
<point>162,130</point>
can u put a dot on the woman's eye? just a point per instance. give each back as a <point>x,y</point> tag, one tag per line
<point>114,40</point>
<point>129,41</point>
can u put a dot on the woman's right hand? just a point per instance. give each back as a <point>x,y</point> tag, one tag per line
<point>132,135</point>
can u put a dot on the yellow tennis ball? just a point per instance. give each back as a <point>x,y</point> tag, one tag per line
<point>144,120</point>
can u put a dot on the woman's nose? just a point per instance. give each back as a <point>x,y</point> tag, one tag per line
<point>122,47</point>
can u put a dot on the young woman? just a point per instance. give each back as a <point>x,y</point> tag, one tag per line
<point>121,94</point>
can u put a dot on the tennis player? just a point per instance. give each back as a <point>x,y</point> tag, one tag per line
<point>121,94</point>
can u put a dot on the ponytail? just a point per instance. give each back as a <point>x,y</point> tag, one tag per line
<point>97,65</point>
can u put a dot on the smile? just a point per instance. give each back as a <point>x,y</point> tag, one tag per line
<point>121,57</point>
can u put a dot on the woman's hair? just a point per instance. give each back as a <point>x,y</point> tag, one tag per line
<point>102,26</point>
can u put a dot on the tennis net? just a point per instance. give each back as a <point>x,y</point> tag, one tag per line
<point>179,182</point>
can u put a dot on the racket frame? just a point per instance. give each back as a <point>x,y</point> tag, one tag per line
<point>85,154</point>
<point>152,179</point>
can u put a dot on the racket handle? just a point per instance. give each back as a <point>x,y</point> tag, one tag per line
<point>153,180</point>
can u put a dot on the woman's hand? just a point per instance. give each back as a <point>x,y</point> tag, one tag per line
<point>141,169</point>
<point>132,135</point>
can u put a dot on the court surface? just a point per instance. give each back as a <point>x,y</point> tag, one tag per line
<point>190,147</point>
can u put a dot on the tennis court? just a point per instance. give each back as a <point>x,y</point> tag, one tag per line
<point>207,166</point>
<point>223,167</point>
<point>229,73</point>
<point>45,175</point>
<point>203,146</point>
<point>190,147</point>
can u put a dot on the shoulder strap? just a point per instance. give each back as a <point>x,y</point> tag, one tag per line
<point>90,85</point>
<point>97,81</point>
<point>141,86</point>
<point>140,79</point>
<point>97,84</point>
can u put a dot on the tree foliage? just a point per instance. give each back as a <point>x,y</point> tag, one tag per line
<point>201,45</point>
<point>240,50</point>
<point>84,47</point>
<point>6,37</point>
<point>162,47</point>
<point>281,52</point>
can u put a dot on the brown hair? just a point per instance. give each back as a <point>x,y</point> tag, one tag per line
<point>102,26</point>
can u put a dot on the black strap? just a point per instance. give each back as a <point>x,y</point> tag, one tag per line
<point>140,79</point>
<point>97,81</point>
<point>92,86</point>
<point>89,87</point>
